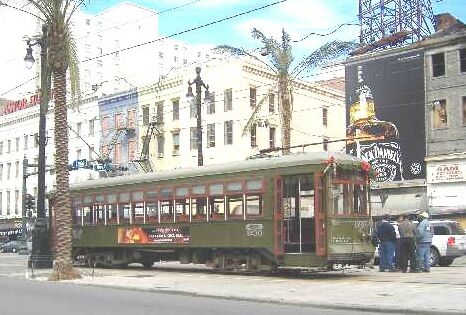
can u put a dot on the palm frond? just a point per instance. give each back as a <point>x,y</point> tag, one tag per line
<point>73,62</point>
<point>251,119</point>
<point>230,50</point>
<point>324,55</point>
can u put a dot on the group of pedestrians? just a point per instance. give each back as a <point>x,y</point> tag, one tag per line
<point>404,244</point>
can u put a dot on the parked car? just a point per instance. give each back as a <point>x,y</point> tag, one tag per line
<point>448,243</point>
<point>13,247</point>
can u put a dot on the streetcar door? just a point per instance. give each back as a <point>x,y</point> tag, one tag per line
<point>320,228</point>
<point>298,214</point>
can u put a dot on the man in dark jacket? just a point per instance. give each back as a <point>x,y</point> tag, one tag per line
<point>387,242</point>
<point>406,229</point>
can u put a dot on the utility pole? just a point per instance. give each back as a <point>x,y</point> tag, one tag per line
<point>199,84</point>
<point>41,257</point>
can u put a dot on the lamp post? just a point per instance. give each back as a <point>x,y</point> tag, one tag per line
<point>199,84</point>
<point>40,256</point>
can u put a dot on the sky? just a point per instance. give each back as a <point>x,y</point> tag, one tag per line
<point>298,17</point>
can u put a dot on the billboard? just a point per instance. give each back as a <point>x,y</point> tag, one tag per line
<point>385,114</point>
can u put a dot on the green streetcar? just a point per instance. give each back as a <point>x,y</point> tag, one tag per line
<point>298,211</point>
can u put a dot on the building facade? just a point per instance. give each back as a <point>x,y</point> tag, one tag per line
<point>236,89</point>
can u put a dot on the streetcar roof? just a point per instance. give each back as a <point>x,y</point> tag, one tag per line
<point>263,163</point>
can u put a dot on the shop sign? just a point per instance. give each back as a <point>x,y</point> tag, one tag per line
<point>448,172</point>
<point>15,106</point>
<point>154,235</point>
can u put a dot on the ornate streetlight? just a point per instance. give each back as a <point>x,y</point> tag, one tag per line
<point>41,256</point>
<point>199,84</point>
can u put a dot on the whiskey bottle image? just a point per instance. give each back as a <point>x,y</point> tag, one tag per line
<point>375,141</point>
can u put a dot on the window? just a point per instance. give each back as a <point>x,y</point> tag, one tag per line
<point>438,65</point>
<point>193,138</point>
<point>8,170</point>
<point>349,198</point>
<point>228,100</point>
<point>210,135</point>
<point>440,114</point>
<point>160,146</point>
<point>91,127</point>
<point>176,143</point>
<point>253,136</point>
<point>211,103</point>
<point>36,140</point>
<point>1,172</point>
<point>105,150</point>
<point>464,110</point>
<point>105,121</point>
<point>253,205</point>
<point>78,129</point>
<point>145,116</point>
<point>463,60</point>
<point>118,120</point>
<point>199,203</point>
<point>193,108</point>
<point>91,154</point>
<point>252,96</point>
<point>8,202</point>
<point>217,202</point>
<point>1,148</point>
<point>161,55</point>
<point>16,201</point>
<point>325,144</point>
<point>78,154</point>
<point>131,118</point>
<point>271,103</point>
<point>324,116</point>
<point>17,144</point>
<point>229,132</point>
<point>1,203</point>
<point>272,137</point>
<point>132,150</point>
<point>159,107</point>
<point>9,146</point>
<point>176,109</point>
<point>17,169</point>
<point>117,153</point>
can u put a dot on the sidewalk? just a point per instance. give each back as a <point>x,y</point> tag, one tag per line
<point>441,291</point>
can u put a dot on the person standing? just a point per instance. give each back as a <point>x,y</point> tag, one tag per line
<point>424,233</point>
<point>406,229</point>
<point>387,240</point>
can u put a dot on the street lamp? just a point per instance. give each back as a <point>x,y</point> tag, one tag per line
<point>199,84</point>
<point>40,256</point>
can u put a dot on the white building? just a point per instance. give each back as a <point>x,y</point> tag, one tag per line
<point>236,88</point>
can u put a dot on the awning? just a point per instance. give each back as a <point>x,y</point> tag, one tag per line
<point>398,204</point>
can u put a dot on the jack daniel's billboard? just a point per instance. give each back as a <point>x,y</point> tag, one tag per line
<point>385,114</point>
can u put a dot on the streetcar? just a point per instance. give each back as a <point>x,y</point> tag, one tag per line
<point>305,211</point>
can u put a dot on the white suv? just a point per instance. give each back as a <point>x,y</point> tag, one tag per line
<point>448,242</point>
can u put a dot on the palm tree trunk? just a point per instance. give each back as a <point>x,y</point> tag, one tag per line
<point>63,267</point>
<point>285,113</point>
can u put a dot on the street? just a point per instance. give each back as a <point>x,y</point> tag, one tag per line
<point>170,288</point>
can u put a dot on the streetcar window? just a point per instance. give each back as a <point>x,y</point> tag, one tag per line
<point>87,214</point>
<point>199,190</point>
<point>124,211</point>
<point>112,214</point>
<point>217,207</point>
<point>99,214</point>
<point>100,198</point>
<point>166,192</point>
<point>198,208</point>
<point>235,206</point>
<point>182,209</point>
<point>112,198</point>
<point>137,196</point>
<point>254,185</point>
<point>182,191</point>
<point>123,197</point>
<point>152,195</point>
<point>138,212</point>
<point>166,210</point>
<point>77,214</point>
<point>360,199</point>
<point>88,199</point>
<point>254,205</point>
<point>234,186</point>
<point>216,189</point>
<point>152,212</point>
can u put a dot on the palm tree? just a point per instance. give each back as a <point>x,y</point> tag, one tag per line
<point>61,57</point>
<point>281,58</point>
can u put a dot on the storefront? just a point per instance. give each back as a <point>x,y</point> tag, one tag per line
<point>446,187</point>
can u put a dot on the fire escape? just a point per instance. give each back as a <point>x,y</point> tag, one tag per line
<point>144,161</point>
